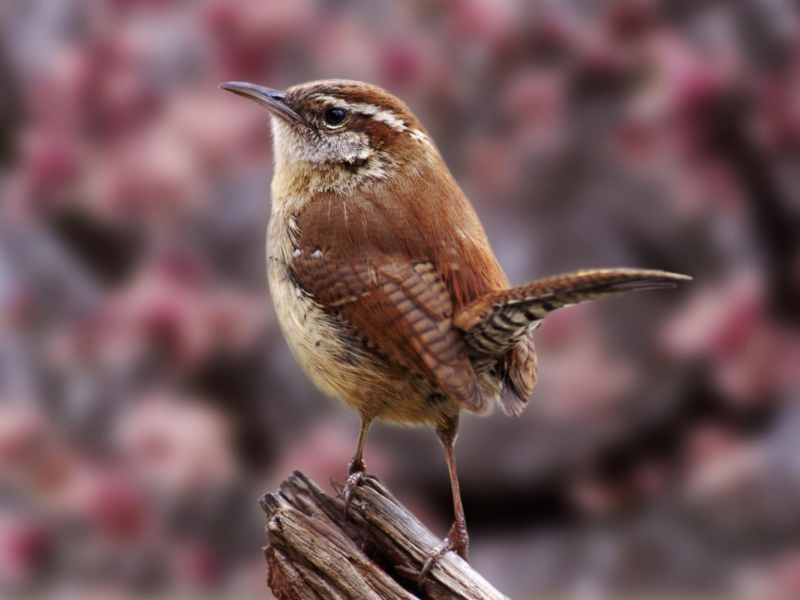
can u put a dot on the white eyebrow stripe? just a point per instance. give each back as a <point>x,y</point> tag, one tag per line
<point>371,110</point>
<point>421,137</point>
<point>391,119</point>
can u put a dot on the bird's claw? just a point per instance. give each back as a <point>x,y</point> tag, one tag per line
<point>349,487</point>
<point>435,556</point>
<point>457,540</point>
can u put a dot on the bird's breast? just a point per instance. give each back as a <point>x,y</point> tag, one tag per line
<point>318,341</point>
<point>333,357</point>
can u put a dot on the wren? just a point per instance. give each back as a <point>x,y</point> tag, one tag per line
<point>384,282</point>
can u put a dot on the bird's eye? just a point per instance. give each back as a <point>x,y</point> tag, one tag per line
<point>335,116</point>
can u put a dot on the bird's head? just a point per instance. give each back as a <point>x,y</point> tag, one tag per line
<point>347,132</point>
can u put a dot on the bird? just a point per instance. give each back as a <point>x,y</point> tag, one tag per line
<point>385,285</point>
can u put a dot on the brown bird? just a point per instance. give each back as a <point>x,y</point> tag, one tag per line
<point>384,282</point>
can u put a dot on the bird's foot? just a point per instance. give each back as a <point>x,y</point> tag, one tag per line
<point>456,540</point>
<point>357,470</point>
<point>435,555</point>
<point>349,487</point>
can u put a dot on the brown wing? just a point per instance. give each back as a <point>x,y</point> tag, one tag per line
<point>369,267</point>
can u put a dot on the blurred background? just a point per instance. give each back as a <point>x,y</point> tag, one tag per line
<point>147,398</point>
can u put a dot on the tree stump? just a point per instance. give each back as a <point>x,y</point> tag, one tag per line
<point>376,553</point>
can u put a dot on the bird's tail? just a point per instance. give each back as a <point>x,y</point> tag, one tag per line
<point>498,322</point>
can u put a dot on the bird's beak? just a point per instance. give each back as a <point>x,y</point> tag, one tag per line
<point>273,100</point>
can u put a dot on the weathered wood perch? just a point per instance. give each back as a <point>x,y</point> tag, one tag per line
<point>376,554</point>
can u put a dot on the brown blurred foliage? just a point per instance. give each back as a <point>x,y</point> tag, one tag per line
<point>147,398</point>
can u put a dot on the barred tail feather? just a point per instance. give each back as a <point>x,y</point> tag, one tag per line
<point>496,323</point>
<point>518,376</point>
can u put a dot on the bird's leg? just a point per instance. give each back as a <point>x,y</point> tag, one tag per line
<point>357,469</point>
<point>457,539</point>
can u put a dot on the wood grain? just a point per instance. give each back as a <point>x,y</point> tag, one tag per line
<point>377,553</point>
